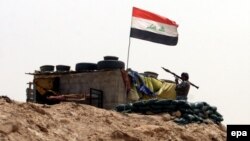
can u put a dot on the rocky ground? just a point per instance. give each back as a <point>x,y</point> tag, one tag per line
<point>77,122</point>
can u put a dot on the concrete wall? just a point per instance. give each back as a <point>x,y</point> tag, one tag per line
<point>110,82</point>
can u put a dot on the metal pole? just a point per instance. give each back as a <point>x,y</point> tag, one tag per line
<point>128,52</point>
<point>129,39</point>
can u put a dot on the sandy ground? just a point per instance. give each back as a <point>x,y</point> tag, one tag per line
<point>77,122</point>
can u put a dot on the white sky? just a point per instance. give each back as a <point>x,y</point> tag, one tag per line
<point>213,47</point>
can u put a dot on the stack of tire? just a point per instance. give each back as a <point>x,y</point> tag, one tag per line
<point>110,62</point>
<point>50,68</point>
<point>62,68</point>
<point>47,68</point>
<point>190,112</point>
<point>85,67</point>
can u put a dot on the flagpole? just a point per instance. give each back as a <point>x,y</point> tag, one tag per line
<point>129,41</point>
<point>128,52</point>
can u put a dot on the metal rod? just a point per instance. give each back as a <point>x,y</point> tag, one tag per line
<point>128,52</point>
<point>129,39</point>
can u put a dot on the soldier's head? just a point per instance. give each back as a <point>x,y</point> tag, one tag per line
<point>184,76</point>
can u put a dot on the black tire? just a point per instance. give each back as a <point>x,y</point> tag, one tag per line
<point>151,74</point>
<point>86,66</point>
<point>46,68</point>
<point>62,68</point>
<point>110,64</point>
<point>110,58</point>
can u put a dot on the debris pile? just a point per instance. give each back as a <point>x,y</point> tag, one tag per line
<point>188,112</point>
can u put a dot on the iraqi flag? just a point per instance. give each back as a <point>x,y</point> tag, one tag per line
<point>152,27</point>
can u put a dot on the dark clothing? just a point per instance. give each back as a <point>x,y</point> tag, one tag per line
<point>182,90</point>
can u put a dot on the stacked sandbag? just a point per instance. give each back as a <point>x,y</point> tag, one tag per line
<point>124,107</point>
<point>205,111</point>
<point>189,112</point>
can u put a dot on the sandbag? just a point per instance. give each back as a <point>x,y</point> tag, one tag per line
<point>218,114</point>
<point>196,111</point>
<point>163,102</point>
<point>157,111</point>
<point>170,108</point>
<point>123,107</point>
<point>144,109</point>
<point>155,106</point>
<point>190,112</point>
<point>183,104</point>
<point>139,103</point>
<point>187,111</point>
<point>189,117</point>
<point>150,102</point>
<point>181,121</point>
<point>213,108</point>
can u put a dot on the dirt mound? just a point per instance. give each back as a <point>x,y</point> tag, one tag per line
<point>71,121</point>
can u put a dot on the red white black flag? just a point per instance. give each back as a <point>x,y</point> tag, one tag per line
<point>152,27</point>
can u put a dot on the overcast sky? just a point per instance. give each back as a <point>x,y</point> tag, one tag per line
<point>213,47</point>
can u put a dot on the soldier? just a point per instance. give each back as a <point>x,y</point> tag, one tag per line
<point>182,88</point>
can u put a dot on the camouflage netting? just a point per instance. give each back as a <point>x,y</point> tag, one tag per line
<point>187,112</point>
